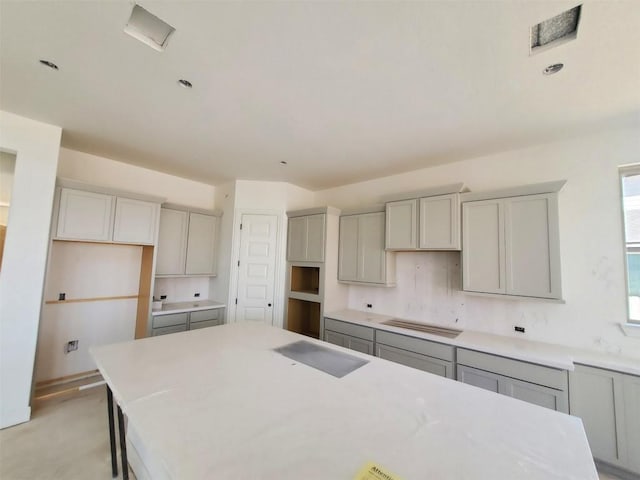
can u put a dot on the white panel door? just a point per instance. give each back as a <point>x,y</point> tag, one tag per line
<point>348,252</point>
<point>85,215</point>
<point>402,222</point>
<point>256,276</point>
<point>172,242</point>
<point>439,224</point>
<point>483,256</point>
<point>201,245</point>
<point>135,221</point>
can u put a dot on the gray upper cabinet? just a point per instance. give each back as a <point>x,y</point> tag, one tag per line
<point>362,257</point>
<point>186,243</point>
<point>201,243</point>
<point>305,238</point>
<point>440,222</point>
<point>428,223</point>
<point>85,215</point>
<point>609,405</point>
<point>511,246</point>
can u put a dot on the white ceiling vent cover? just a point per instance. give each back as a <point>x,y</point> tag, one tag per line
<point>555,31</point>
<point>148,28</point>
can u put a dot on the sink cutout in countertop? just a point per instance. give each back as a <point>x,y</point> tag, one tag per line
<point>422,327</point>
<point>322,358</point>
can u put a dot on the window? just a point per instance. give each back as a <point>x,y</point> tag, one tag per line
<point>631,205</point>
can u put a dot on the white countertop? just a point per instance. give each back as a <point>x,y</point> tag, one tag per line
<point>551,355</point>
<point>245,411</point>
<point>192,306</point>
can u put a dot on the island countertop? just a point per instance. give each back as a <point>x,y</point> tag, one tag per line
<point>246,411</point>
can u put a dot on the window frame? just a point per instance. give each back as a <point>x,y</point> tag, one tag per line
<point>632,327</point>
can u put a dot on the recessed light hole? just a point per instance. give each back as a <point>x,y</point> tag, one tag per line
<point>49,64</point>
<point>283,162</point>
<point>185,83</point>
<point>551,69</point>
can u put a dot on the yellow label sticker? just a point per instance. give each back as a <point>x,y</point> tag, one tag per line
<point>372,471</point>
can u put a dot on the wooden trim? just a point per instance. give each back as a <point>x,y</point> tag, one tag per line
<point>67,378</point>
<point>144,292</point>
<point>94,299</point>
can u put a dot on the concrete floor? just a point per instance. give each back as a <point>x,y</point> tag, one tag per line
<point>67,438</point>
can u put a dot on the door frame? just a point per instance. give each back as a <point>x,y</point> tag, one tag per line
<point>278,286</point>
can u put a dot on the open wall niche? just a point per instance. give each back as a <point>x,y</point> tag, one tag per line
<point>305,279</point>
<point>303,317</point>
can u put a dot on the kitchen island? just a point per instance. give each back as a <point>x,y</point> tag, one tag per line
<point>221,403</point>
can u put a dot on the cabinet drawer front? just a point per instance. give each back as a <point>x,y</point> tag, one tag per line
<point>529,372</point>
<point>415,360</point>
<point>168,320</point>
<point>203,315</point>
<point>204,324</point>
<point>358,331</point>
<point>417,345</point>
<point>166,330</point>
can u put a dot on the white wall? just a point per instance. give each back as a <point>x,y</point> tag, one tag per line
<point>106,172</point>
<point>254,197</point>
<point>7,167</point>
<point>25,257</point>
<point>590,234</point>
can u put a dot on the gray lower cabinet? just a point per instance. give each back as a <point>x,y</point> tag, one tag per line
<point>348,335</point>
<point>609,405</point>
<point>180,322</point>
<point>425,355</point>
<point>537,384</point>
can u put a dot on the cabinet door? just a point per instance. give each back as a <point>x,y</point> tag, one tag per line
<point>201,245</point>
<point>401,225</point>
<point>439,222</point>
<point>297,239</point>
<point>135,221</point>
<point>415,360</point>
<point>479,378</point>
<point>167,330</point>
<point>483,254</point>
<point>535,394</point>
<point>172,242</point>
<point>597,398</point>
<point>631,386</point>
<point>532,247</point>
<point>335,338</point>
<point>85,215</point>
<point>315,237</point>
<point>371,254</point>
<point>348,248</point>
<point>359,345</point>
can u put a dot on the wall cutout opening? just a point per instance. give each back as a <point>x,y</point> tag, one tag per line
<point>556,30</point>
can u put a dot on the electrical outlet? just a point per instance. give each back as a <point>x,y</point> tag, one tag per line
<point>163,297</point>
<point>369,305</point>
<point>71,346</point>
<point>196,294</point>
<point>519,329</point>
<point>62,296</point>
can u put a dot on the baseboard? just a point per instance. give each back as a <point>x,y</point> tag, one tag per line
<point>621,473</point>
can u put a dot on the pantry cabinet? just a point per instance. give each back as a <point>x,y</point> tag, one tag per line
<point>186,243</point>
<point>510,246</point>
<point>537,384</point>
<point>361,256</point>
<point>91,216</point>
<point>305,238</point>
<point>608,403</point>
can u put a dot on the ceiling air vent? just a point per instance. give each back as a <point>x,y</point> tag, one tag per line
<point>556,30</point>
<point>148,28</point>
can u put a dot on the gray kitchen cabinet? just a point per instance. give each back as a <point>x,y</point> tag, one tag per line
<point>511,246</point>
<point>440,222</point>
<point>537,384</point>
<point>201,245</point>
<point>361,254</point>
<point>608,403</point>
<point>305,238</point>
<point>186,242</point>
<point>180,322</point>
<point>348,335</point>
<point>432,357</point>
<point>85,215</point>
<point>402,225</point>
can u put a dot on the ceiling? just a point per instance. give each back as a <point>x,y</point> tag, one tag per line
<point>342,91</point>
